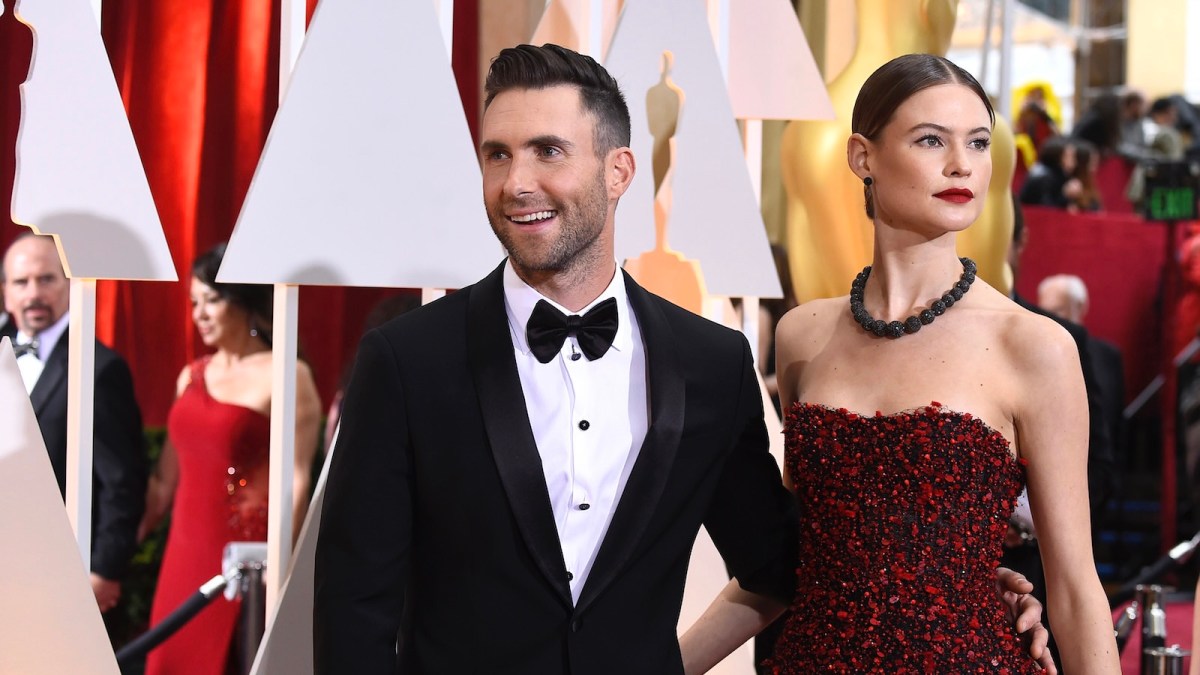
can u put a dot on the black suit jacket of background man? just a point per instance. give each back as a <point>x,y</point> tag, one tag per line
<point>1101,466</point>
<point>118,451</point>
<point>437,523</point>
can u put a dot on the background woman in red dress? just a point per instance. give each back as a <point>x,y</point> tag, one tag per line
<point>213,473</point>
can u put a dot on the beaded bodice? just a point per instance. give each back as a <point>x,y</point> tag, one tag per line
<point>901,521</point>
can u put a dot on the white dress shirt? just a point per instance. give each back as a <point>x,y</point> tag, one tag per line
<point>31,366</point>
<point>589,419</point>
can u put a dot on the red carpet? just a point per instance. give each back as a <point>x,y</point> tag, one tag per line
<point>1179,632</point>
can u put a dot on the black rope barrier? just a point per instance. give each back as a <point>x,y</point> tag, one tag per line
<point>172,623</point>
<point>1172,559</point>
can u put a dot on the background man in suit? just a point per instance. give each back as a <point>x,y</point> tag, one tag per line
<point>1021,548</point>
<point>1066,295</point>
<point>522,466</point>
<point>36,295</point>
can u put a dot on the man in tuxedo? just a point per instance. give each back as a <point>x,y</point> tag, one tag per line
<point>1066,296</point>
<point>36,295</point>
<point>522,466</point>
<point>1101,456</point>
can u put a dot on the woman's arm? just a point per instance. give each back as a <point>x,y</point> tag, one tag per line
<point>308,421</point>
<point>735,616</point>
<point>160,488</point>
<point>793,337</point>
<point>1051,418</point>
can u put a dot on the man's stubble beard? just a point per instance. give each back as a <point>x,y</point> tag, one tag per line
<point>573,247</point>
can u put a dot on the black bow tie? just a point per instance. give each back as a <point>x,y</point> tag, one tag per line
<point>548,328</point>
<point>27,348</point>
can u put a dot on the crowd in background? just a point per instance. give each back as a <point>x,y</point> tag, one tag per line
<point>1061,169</point>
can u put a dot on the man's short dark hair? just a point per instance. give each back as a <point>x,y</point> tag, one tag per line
<point>530,67</point>
<point>1161,105</point>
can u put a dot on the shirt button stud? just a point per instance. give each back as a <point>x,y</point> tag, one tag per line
<point>584,425</point>
<point>570,576</point>
<point>585,506</point>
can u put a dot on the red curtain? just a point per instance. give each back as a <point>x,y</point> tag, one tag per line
<point>1121,259</point>
<point>199,79</point>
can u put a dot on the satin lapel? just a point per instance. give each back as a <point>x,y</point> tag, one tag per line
<point>653,466</point>
<point>54,375</point>
<point>490,351</point>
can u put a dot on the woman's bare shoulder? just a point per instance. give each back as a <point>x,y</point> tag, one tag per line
<point>818,315</point>
<point>184,379</point>
<point>810,324</point>
<point>1037,343</point>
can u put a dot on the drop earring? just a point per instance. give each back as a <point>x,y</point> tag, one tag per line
<point>868,181</point>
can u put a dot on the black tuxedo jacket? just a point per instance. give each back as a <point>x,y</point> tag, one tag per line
<point>118,451</point>
<point>1101,466</point>
<point>437,524</point>
<point>1110,380</point>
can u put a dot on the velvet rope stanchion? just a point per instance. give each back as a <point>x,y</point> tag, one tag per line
<point>1169,561</point>
<point>243,563</point>
<point>137,649</point>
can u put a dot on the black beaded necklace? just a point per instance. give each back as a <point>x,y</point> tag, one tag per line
<point>913,323</point>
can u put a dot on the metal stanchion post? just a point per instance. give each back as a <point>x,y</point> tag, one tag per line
<point>247,560</point>
<point>1164,660</point>
<point>1124,626</point>
<point>254,611</point>
<point>1154,626</point>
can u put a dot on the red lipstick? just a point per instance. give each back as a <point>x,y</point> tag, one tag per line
<point>956,195</point>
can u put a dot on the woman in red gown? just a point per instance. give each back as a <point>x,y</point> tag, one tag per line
<point>909,439</point>
<point>915,413</point>
<point>213,472</point>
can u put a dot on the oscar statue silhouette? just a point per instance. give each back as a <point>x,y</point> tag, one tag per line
<point>662,270</point>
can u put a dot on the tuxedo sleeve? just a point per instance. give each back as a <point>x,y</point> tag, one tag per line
<point>118,467</point>
<point>364,541</point>
<point>752,518</point>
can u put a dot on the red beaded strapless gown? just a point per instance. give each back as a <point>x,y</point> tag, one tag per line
<point>901,522</point>
<point>222,497</point>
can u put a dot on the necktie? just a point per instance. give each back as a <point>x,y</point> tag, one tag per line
<point>27,348</point>
<point>548,328</point>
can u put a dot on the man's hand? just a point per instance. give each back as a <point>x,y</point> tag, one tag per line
<point>1025,612</point>
<point>107,591</point>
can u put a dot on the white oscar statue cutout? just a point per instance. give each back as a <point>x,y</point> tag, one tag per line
<point>50,623</point>
<point>79,178</point>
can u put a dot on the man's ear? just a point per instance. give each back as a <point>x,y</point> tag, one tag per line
<point>619,173</point>
<point>858,155</point>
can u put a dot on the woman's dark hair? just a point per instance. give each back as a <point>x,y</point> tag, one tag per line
<point>1089,199</point>
<point>530,67</point>
<point>895,82</point>
<point>1051,153</point>
<point>1101,124</point>
<point>255,299</point>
